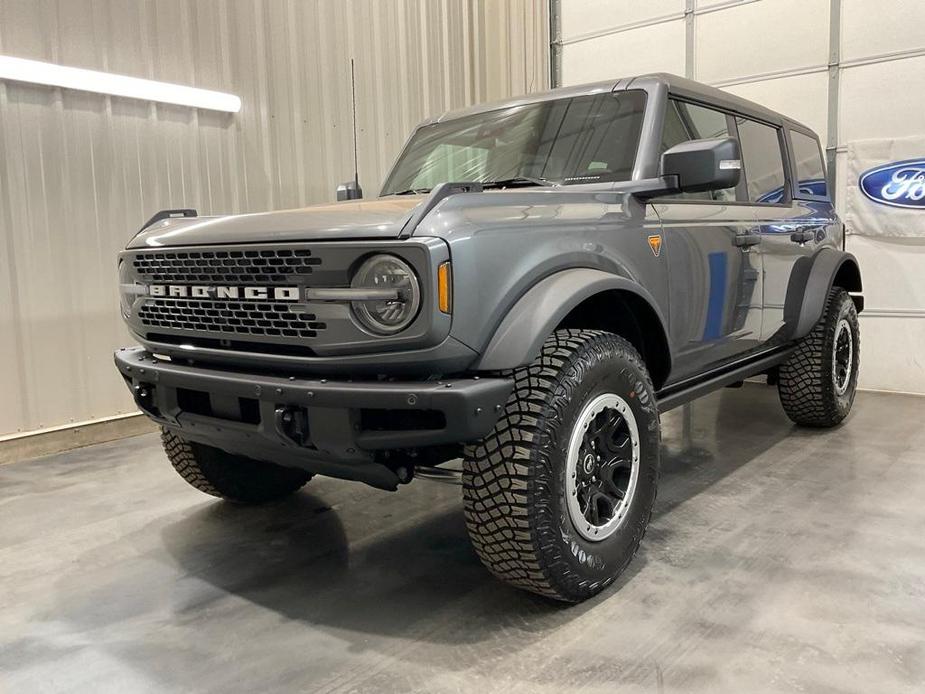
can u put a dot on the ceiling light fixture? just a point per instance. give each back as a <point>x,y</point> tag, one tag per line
<point>52,75</point>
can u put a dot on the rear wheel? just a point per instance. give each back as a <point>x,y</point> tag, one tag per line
<point>558,496</point>
<point>818,382</point>
<point>232,477</point>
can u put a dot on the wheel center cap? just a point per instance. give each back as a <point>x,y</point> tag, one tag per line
<point>588,464</point>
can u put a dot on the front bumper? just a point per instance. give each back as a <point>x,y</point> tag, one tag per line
<point>328,427</point>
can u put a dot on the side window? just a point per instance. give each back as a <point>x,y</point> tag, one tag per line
<point>764,166</point>
<point>685,122</point>
<point>810,169</point>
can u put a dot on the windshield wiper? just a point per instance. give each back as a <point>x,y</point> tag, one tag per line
<point>519,181</point>
<point>516,181</point>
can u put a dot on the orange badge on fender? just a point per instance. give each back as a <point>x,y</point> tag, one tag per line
<point>655,243</point>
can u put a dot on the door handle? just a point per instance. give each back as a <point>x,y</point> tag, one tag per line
<point>803,235</point>
<point>747,239</point>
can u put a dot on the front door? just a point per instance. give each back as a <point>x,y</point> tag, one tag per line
<point>714,258</point>
<point>714,280</point>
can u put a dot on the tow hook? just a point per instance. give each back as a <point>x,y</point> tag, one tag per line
<point>144,397</point>
<point>292,423</point>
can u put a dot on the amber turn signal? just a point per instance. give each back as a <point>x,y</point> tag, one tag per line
<point>445,287</point>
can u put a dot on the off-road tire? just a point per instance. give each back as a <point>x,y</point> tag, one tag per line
<point>514,484</point>
<point>806,385</point>
<point>232,477</point>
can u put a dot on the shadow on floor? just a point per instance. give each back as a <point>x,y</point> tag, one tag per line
<point>296,559</point>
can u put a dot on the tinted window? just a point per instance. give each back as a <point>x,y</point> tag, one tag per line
<point>586,139</point>
<point>764,167</point>
<point>808,159</point>
<point>685,122</point>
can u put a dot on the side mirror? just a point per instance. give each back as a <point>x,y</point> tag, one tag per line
<point>693,167</point>
<point>350,190</point>
<point>701,165</point>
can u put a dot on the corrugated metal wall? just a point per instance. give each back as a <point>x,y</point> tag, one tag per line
<point>79,172</point>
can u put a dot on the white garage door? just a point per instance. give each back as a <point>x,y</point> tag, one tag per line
<point>854,70</point>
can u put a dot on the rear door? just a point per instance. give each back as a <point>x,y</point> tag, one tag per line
<point>790,227</point>
<point>713,255</point>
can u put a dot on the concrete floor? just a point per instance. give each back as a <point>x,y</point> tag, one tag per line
<point>778,559</point>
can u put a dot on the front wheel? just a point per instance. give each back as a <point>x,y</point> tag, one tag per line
<point>227,476</point>
<point>559,495</point>
<point>818,381</point>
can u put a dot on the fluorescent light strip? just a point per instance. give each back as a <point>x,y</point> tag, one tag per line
<point>38,72</point>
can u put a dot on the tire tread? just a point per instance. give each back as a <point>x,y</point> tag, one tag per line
<point>503,470</point>
<point>804,386</point>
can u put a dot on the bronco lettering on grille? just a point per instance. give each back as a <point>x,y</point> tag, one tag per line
<point>202,291</point>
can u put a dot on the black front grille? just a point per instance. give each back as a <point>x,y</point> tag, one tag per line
<point>273,319</point>
<point>225,266</point>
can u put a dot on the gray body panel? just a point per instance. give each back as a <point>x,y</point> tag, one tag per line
<point>357,219</point>
<point>503,243</point>
<point>727,293</point>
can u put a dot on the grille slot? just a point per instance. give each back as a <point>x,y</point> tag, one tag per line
<point>226,266</point>
<point>272,319</point>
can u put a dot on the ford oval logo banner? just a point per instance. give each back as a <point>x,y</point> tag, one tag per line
<point>900,184</point>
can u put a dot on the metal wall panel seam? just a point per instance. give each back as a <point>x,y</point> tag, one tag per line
<point>832,98</point>
<point>478,30</point>
<point>9,262</point>
<point>768,76</point>
<point>295,81</point>
<point>719,7</point>
<point>893,313</point>
<point>622,28</point>
<point>883,58</point>
<point>690,36</point>
<point>229,135</point>
<point>641,24</point>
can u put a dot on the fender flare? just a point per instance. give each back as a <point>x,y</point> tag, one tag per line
<point>808,290</point>
<point>519,338</point>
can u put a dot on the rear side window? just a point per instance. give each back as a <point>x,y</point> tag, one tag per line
<point>810,170</point>
<point>685,122</point>
<point>764,165</point>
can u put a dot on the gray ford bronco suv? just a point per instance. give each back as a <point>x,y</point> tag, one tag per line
<point>536,283</point>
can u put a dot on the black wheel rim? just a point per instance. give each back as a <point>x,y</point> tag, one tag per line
<point>602,466</point>
<point>843,357</point>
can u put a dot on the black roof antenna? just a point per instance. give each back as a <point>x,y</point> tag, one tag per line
<point>356,166</point>
<point>352,190</point>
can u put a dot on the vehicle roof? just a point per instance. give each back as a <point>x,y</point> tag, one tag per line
<point>676,85</point>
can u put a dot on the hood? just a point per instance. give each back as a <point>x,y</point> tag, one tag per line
<point>356,219</point>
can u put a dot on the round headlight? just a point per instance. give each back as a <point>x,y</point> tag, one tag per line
<point>396,310</point>
<point>126,293</point>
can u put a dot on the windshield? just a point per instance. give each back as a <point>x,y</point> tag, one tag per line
<point>585,139</point>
